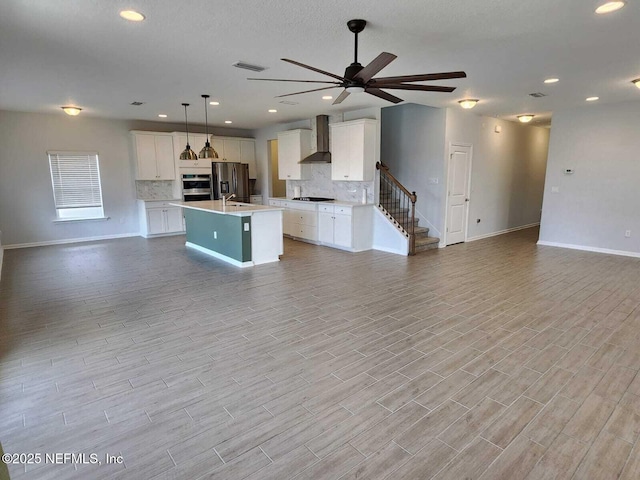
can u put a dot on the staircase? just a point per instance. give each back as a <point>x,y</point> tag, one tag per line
<point>398,204</point>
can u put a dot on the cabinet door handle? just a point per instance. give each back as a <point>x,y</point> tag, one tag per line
<point>346,176</point>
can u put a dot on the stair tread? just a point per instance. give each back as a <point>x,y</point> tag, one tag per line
<point>426,240</point>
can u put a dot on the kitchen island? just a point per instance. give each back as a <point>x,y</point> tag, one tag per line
<point>238,233</point>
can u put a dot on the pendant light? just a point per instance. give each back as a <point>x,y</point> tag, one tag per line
<point>207,151</point>
<point>187,154</point>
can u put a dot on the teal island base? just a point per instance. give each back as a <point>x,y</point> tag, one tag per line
<point>240,235</point>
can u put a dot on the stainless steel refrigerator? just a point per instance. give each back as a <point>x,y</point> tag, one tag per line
<point>230,177</point>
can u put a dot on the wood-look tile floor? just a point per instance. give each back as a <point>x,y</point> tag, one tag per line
<point>494,359</point>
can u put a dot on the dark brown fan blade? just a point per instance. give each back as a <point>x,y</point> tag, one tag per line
<point>341,97</point>
<point>306,91</point>
<point>300,81</point>
<point>314,69</point>
<point>422,88</point>
<point>375,66</point>
<point>384,95</point>
<point>420,78</point>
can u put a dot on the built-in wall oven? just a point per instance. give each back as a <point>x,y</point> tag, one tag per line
<point>196,187</point>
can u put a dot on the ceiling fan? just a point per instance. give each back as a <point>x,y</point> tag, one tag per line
<point>357,78</point>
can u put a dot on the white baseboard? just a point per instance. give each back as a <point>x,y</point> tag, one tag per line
<point>71,240</point>
<point>585,248</point>
<point>502,232</point>
<point>389,250</point>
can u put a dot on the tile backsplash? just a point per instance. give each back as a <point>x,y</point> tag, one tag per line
<point>321,185</point>
<point>154,190</point>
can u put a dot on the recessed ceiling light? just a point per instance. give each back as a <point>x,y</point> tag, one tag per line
<point>273,110</point>
<point>73,111</point>
<point>552,80</point>
<point>592,99</point>
<point>468,103</point>
<point>228,121</point>
<point>636,82</point>
<point>609,7</point>
<point>526,118</point>
<point>132,15</point>
<point>327,97</point>
<point>162,115</point>
<point>214,103</point>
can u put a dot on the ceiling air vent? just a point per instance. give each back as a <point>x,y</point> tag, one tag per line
<point>537,95</point>
<point>137,104</point>
<point>288,102</point>
<point>248,66</point>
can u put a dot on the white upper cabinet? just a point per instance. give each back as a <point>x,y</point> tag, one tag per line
<point>228,149</point>
<point>154,156</point>
<point>231,150</point>
<point>353,150</point>
<point>293,146</point>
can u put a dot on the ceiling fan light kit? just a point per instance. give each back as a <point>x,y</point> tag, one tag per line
<point>358,79</point>
<point>468,103</point>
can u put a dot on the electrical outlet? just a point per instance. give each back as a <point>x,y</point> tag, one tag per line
<point>215,235</point>
<point>627,234</point>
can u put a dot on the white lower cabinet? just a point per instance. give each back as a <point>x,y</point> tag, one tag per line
<point>159,218</point>
<point>346,227</point>
<point>301,220</point>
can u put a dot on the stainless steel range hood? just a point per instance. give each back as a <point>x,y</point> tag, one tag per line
<point>322,155</point>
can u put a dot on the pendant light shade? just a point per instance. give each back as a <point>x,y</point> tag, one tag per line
<point>207,151</point>
<point>187,153</point>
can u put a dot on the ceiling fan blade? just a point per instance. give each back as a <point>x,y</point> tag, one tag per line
<point>306,91</point>
<point>384,95</point>
<point>341,97</point>
<point>314,69</point>
<point>420,78</point>
<point>422,88</point>
<point>284,80</point>
<point>375,66</point>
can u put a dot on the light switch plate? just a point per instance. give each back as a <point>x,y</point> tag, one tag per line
<point>555,189</point>
<point>246,227</point>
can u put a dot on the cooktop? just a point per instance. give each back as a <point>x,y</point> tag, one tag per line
<point>313,199</point>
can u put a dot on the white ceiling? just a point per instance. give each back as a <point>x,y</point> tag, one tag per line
<point>81,52</point>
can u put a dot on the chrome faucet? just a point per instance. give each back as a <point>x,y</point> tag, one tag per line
<point>225,198</point>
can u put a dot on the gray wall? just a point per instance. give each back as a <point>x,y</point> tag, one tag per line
<point>412,145</point>
<point>595,205</point>
<point>26,199</point>
<point>508,170</point>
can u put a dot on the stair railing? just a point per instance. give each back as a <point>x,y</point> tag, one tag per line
<point>398,203</point>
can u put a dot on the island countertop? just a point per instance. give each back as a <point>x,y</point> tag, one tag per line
<point>232,208</point>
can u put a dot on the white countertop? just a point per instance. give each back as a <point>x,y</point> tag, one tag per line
<point>232,208</point>
<point>341,203</point>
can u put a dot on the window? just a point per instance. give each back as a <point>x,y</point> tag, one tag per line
<point>77,192</point>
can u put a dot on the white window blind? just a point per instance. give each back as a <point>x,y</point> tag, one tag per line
<point>75,177</point>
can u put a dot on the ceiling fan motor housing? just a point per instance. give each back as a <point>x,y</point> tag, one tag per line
<point>352,70</point>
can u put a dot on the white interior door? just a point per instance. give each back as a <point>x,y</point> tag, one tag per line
<point>458,193</point>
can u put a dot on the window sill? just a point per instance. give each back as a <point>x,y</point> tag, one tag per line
<point>75,220</point>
